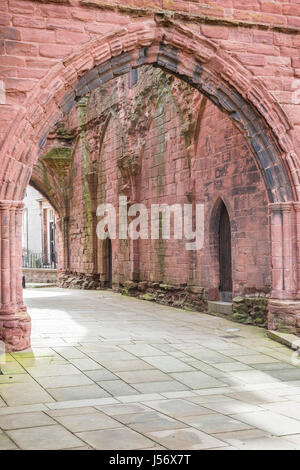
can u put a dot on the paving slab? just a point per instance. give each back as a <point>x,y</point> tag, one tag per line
<point>77,393</point>
<point>12,368</point>
<point>45,438</point>
<point>285,408</point>
<point>24,394</point>
<point>196,380</point>
<point>286,374</point>
<point>18,378</point>
<point>116,439</point>
<point>160,387</point>
<point>231,406</point>
<point>143,397</point>
<point>180,394</point>
<point>257,397</point>
<point>70,352</point>
<point>117,387</point>
<point>177,408</point>
<point>214,423</point>
<point>87,422</point>
<point>71,411</point>
<point>80,403</point>
<point>150,422</point>
<point>24,420</point>
<point>104,357</point>
<point>6,443</point>
<point>254,376</point>
<point>232,366</point>
<point>101,375</point>
<point>141,350</point>
<point>85,364</point>
<point>64,381</point>
<point>126,366</point>
<point>133,377</point>
<point>108,371</point>
<point>119,409</point>
<point>273,423</point>
<point>168,364</point>
<point>22,409</point>
<point>53,370</point>
<point>187,438</point>
<point>261,442</point>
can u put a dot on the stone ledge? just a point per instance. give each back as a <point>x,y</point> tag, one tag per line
<point>287,339</point>
<point>40,285</point>
<point>284,316</point>
<point>219,307</point>
<point>39,270</point>
<point>167,14</point>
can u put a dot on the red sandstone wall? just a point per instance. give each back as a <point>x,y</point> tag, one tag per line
<point>164,179</point>
<point>36,35</point>
<point>76,226</point>
<point>225,168</point>
<point>212,159</point>
<point>281,12</point>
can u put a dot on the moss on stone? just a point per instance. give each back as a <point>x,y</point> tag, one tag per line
<point>148,297</point>
<point>250,310</point>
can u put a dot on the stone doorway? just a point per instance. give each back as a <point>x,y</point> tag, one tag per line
<point>108,262</point>
<point>225,264</point>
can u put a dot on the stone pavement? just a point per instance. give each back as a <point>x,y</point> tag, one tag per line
<point>112,372</point>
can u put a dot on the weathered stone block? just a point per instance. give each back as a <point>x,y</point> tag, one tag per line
<point>250,310</point>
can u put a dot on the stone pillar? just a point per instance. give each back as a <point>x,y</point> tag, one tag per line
<point>19,253</point>
<point>289,250</point>
<point>63,244</point>
<point>284,306</point>
<point>14,320</point>
<point>297,227</point>
<point>284,250</point>
<point>277,250</point>
<point>13,254</point>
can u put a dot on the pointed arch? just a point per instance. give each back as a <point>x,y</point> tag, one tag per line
<point>179,51</point>
<point>220,208</point>
<point>44,180</point>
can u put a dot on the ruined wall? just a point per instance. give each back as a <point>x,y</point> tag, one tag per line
<point>44,276</point>
<point>36,35</point>
<point>226,169</point>
<point>156,141</point>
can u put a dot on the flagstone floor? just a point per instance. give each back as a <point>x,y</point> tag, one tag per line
<point>111,372</point>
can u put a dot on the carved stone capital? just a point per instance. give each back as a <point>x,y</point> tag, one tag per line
<point>128,165</point>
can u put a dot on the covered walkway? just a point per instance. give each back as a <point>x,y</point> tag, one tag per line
<point>112,372</point>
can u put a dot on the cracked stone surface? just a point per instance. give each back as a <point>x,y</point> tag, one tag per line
<point>111,372</point>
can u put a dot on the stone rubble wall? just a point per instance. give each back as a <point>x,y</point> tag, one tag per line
<point>250,310</point>
<point>40,275</point>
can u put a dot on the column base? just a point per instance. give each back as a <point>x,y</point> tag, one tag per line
<point>284,315</point>
<point>283,295</point>
<point>15,331</point>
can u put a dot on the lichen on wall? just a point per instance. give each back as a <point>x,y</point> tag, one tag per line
<point>159,141</point>
<point>85,168</point>
<point>250,310</point>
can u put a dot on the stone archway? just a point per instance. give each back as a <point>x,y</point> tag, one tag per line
<point>220,206</point>
<point>177,50</point>
<point>193,58</point>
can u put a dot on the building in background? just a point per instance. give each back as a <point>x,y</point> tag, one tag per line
<point>38,232</point>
